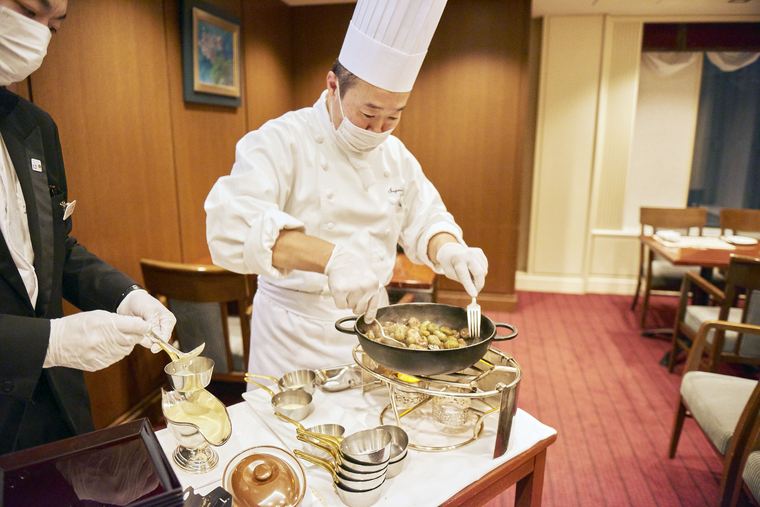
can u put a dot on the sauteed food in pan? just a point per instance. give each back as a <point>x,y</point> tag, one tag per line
<point>423,335</point>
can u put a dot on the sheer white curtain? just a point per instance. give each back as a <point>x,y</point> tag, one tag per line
<point>663,133</point>
<point>730,61</point>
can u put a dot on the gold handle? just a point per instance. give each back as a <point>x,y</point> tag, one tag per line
<point>295,423</point>
<point>259,384</point>
<point>335,453</point>
<point>315,460</point>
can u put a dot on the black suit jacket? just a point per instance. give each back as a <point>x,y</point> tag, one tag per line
<point>36,404</point>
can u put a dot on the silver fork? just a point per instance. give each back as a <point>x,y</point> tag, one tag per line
<point>473,319</point>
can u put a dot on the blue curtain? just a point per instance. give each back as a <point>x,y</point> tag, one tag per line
<point>726,166</point>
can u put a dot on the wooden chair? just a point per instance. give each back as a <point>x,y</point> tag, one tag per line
<point>739,221</point>
<point>742,278</point>
<point>656,274</point>
<point>412,282</point>
<point>726,409</point>
<point>751,469</point>
<point>200,296</point>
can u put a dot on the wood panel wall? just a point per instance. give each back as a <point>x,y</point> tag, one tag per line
<point>105,83</point>
<point>203,138</point>
<point>463,121</point>
<point>140,161</point>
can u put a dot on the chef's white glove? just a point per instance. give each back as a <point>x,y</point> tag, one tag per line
<point>465,265</point>
<point>352,283</point>
<point>91,341</point>
<point>139,303</point>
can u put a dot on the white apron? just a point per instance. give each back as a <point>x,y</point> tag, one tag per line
<point>292,330</point>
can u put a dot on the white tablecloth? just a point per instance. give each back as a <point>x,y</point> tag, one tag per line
<point>428,479</point>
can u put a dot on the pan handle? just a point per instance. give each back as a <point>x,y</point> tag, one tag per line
<point>511,327</point>
<point>347,330</point>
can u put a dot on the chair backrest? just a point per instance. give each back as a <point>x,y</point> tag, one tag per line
<point>742,278</point>
<point>739,220</point>
<point>744,441</point>
<point>199,295</point>
<point>672,218</point>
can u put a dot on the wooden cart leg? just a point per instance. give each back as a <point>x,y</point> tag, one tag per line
<point>529,488</point>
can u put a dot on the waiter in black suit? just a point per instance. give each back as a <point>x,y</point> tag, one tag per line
<point>42,353</point>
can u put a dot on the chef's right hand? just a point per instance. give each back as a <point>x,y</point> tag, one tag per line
<point>92,340</point>
<point>352,283</point>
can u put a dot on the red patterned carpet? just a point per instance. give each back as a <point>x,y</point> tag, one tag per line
<point>588,373</point>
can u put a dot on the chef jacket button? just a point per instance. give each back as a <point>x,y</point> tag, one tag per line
<point>387,231</point>
<point>386,173</point>
<point>324,166</point>
<point>330,226</point>
<point>7,386</point>
<point>319,139</point>
<point>329,195</point>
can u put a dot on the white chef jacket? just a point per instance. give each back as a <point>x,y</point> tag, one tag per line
<point>14,225</point>
<point>291,174</point>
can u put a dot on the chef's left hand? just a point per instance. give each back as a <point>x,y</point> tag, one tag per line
<point>465,265</point>
<point>139,303</point>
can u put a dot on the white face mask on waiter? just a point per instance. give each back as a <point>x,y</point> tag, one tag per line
<point>356,139</point>
<point>23,45</point>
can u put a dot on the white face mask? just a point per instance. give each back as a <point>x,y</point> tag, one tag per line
<point>356,139</point>
<point>23,45</point>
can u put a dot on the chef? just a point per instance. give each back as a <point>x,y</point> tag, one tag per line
<point>42,353</point>
<point>318,198</point>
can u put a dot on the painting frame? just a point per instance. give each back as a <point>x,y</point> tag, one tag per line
<point>211,55</point>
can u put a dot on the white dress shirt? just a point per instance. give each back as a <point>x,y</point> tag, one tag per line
<point>14,225</point>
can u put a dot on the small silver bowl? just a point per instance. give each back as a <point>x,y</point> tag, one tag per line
<point>190,374</point>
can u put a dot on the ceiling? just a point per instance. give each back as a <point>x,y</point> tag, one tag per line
<point>645,7</point>
<point>620,7</point>
<point>316,2</point>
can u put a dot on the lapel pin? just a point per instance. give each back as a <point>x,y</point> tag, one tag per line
<point>36,165</point>
<point>68,208</point>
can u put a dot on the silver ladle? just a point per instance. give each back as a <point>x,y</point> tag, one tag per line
<point>174,353</point>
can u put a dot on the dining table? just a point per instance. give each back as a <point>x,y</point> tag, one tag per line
<point>467,476</point>
<point>706,252</point>
<point>711,252</point>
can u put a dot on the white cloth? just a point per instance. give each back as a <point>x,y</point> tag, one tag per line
<point>387,40</point>
<point>253,424</point>
<point>729,61</point>
<point>668,63</point>
<point>14,225</point>
<point>454,470</point>
<point>290,174</point>
<point>293,330</point>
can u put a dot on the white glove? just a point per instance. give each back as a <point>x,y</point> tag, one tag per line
<point>352,283</point>
<point>91,341</point>
<point>465,265</point>
<point>139,303</point>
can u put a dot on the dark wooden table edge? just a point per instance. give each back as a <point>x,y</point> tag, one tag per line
<point>669,253</point>
<point>526,470</point>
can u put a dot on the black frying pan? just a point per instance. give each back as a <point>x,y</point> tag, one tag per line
<point>426,362</point>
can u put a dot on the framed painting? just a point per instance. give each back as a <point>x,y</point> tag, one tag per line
<point>210,55</point>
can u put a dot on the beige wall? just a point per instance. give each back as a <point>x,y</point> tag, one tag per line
<point>584,186</point>
<point>566,128</point>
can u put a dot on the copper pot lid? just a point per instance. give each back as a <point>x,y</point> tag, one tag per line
<point>265,476</point>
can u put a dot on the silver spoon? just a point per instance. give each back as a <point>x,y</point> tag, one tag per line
<point>384,337</point>
<point>174,352</point>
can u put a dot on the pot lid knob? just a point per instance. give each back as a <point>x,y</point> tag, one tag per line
<point>262,472</point>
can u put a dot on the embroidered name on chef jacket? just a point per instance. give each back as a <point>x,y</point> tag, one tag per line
<point>36,165</point>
